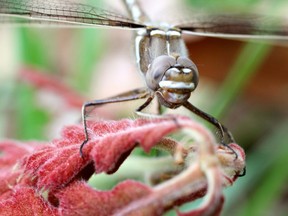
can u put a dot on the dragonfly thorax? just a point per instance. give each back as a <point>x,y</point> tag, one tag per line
<point>172,78</point>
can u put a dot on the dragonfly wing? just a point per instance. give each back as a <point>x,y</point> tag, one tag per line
<point>62,12</point>
<point>237,26</point>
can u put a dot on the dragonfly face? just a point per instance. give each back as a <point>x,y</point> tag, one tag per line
<point>162,58</point>
<point>173,78</point>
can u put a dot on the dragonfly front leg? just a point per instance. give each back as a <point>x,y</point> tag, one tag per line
<point>127,96</point>
<point>223,130</point>
<point>147,102</point>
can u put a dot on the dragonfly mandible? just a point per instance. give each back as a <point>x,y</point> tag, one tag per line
<point>161,54</point>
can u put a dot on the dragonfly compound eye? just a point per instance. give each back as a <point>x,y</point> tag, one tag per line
<point>157,70</point>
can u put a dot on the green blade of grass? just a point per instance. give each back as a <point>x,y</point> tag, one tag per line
<point>33,50</point>
<point>244,68</point>
<point>31,119</point>
<point>90,48</point>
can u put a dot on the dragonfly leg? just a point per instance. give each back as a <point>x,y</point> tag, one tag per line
<point>143,106</point>
<point>127,96</point>
<point>243,173</point>
<point>160,108</point>
<point>147,102</point>
<point>223,130</point>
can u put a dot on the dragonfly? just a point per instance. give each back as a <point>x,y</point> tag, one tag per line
<point>161,55</point>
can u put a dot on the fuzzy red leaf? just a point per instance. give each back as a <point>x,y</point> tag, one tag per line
<point>108,146</point>
<point>61,156</point>
<point>117,138</point>
<point>10,153</point>
<point>58,167</point>
<point>80,199</point>
<point>25,201</point>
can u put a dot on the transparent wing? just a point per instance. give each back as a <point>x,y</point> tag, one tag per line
<point>237,26</point>
<point>64,12</point>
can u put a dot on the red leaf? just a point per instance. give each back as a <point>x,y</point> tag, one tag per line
<point>109,143</point>
<point>11,152</point>
<point>80,199</point>
<point>117,138</point>
<point>25,201</point>
<point>58,168</point>
<point>8,178</point>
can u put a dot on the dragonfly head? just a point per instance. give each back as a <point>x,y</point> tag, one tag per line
<point>173,77</point>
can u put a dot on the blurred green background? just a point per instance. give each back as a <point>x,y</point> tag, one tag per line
<point>254,108</point>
